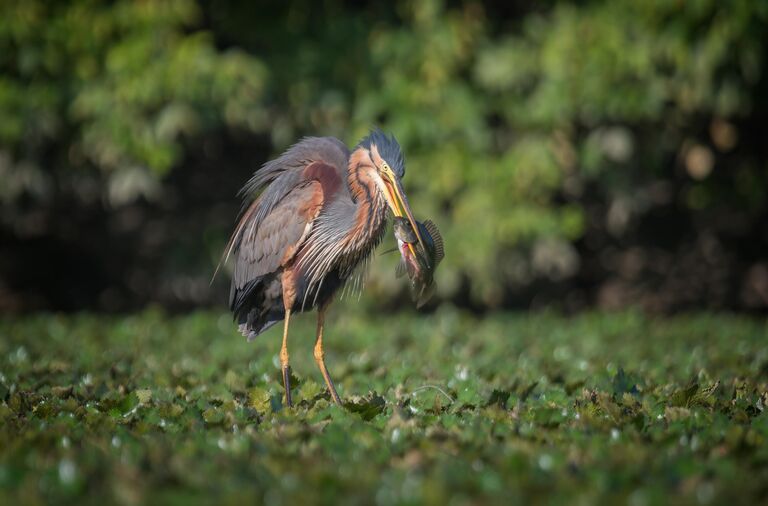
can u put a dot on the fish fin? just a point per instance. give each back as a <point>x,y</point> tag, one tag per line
<point>400,269</point>
<point>426,294</point>
<point>437,239</point>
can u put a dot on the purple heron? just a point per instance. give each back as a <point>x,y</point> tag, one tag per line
<point>311,216</point>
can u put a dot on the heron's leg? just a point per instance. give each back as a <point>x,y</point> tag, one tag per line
<point>320,355</point>
<point>284,361</point>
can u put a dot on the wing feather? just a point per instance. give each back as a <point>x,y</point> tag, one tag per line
<point>273,244</point>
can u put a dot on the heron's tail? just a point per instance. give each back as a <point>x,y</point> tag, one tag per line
<point>254,312</point>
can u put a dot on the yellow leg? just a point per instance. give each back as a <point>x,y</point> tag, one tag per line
<point>284,361</point>
<point>320,355</point>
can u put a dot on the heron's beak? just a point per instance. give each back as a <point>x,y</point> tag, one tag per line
<point>399,204</point>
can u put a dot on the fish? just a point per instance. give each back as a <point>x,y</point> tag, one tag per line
<point>419,262</point>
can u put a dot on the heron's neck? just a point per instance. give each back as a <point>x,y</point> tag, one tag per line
<point>371,208</point>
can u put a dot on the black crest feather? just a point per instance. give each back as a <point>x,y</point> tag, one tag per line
<point>389,149</point>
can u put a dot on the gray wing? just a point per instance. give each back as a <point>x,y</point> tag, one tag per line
<point>278,177</point>
<point>286,171</point>
<point>273,226</point>
<point>265,246</point>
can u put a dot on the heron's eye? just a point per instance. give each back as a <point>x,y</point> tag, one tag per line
<point>385,167</point>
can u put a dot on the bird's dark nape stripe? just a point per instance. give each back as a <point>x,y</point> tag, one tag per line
<point>368,196</point>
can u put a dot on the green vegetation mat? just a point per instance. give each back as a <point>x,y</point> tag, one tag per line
<point>441,409</point>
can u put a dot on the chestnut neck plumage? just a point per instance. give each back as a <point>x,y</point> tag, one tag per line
<point>371,208</point>
<point>341,242</point>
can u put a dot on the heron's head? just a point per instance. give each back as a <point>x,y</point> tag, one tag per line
<point>387,160</point>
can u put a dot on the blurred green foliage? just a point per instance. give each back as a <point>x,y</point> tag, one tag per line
<point>114,86</point>
<point>506,120</point>
<point>599,409</point>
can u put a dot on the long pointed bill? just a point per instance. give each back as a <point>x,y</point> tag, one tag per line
<point>399,204</point>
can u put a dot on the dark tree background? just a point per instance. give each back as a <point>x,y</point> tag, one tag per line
<point>573,153</point>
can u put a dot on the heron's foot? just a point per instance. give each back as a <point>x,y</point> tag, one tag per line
<point>319,358</point>
<point>332,390</point>
<point>287,385</point>
<point>319,355</point>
